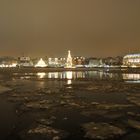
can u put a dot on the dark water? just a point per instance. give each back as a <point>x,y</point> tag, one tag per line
<point>7,118</point>
<point>72,75</point>
<point>32,81</point>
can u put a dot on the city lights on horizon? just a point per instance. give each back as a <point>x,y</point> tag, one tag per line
<point>129,60</point>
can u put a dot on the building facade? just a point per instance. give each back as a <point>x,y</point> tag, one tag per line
<point>93,62</point>
<point>131,60</point>
<point>56,62</point>
<point>25,62</point>
<point>79,61</point>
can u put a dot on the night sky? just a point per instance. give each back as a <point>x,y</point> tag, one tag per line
<point>87,27</point>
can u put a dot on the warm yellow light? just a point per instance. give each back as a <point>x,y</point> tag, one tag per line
<point>69,82</point>
<point>41,63</point>
<point>41,74</point>
<point>69,75</point>
<point>8,66</point>
<point>134,66</point>
<point>13,65</point>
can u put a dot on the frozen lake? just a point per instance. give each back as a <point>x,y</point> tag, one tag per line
<point>69,103</point>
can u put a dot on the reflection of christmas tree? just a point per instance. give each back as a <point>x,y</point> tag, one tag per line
<point>69,60</point>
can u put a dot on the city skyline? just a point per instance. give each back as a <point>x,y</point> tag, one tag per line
<point>87,28</point>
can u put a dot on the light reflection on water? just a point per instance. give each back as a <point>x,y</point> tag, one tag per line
<point>69,82</point>
<point>133,81</point>
<point>75,75</point>
<point>132,78</point>
<point>53,75</point>
<point>71,75</point>
<point>41,75</point>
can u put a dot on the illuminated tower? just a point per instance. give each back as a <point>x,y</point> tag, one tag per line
<point>69,60</point>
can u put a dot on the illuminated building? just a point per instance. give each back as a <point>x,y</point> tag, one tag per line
<point>7,61</point>
<point>53,62</point>
<point>25,62</point>
<point>62,62</point>
<point>131,60</point>
<point>113,61</point>
<point>79,61</point>
<point>12,65</point>
<point>41,63</point>
<point>94,62</point>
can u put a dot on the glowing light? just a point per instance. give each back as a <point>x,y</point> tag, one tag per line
<point>41,63</point>
<point>69,61</point>
<point>133,66</point>
<point>79,75</point>
<point>8,66</point>
<point>132,60</point>
<point>53,75</point>
<point>132,56</point>
<point>2,65</point>
<point>69,82</point>
<point>131,76</point>
<point>69,75</point>
<point>14,65</point>
<point>41,74</point>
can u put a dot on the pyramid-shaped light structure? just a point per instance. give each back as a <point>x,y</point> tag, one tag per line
<point>41,63</point>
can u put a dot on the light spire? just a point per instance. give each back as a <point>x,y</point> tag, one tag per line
<point>69,60</point>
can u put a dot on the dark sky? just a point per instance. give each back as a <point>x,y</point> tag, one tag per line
<point>86,27</point>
